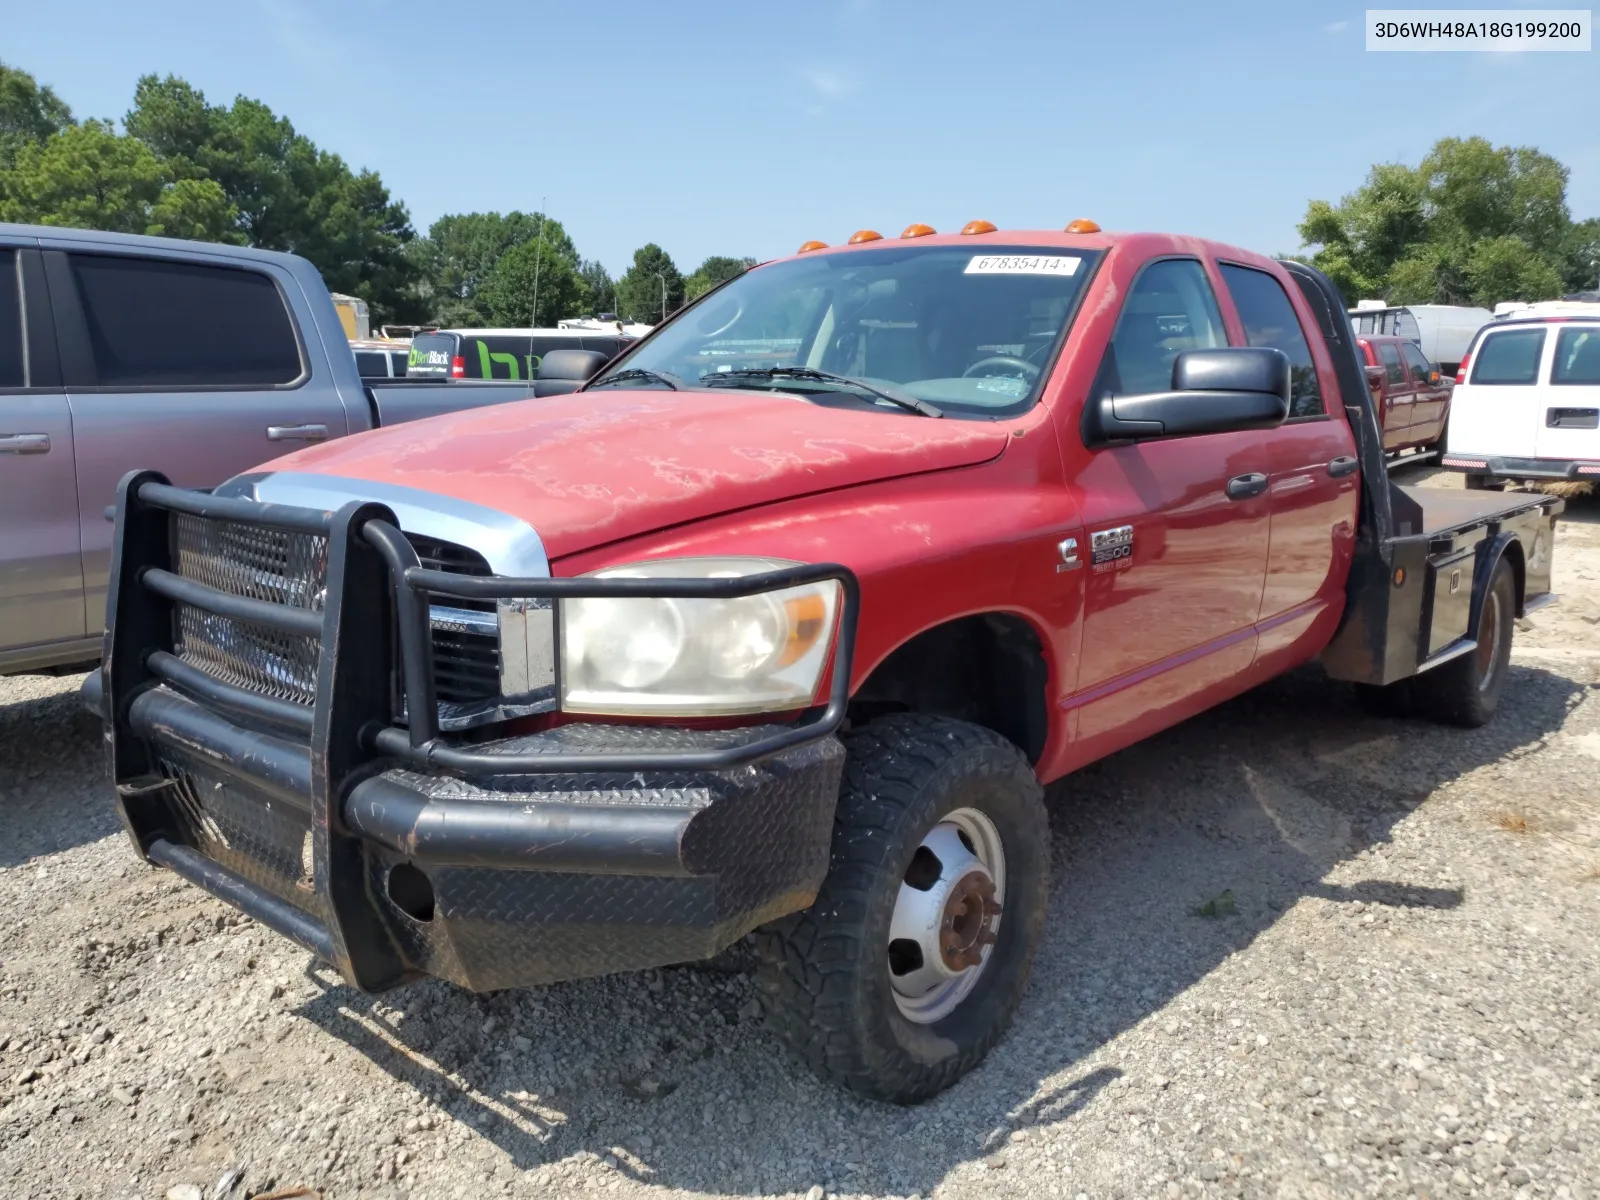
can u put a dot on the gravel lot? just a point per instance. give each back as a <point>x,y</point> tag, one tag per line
<point>1294,951</point>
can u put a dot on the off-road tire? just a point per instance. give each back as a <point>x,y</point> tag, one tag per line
<point>1458,693</point>
<point>823,974</point>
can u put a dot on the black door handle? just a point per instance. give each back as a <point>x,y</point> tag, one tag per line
<point>1342,466</point>
<point>1242,487</point>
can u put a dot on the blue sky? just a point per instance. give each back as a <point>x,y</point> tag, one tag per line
<point>747,128</point>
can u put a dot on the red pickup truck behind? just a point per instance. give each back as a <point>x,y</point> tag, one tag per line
<point>1412,397</point>
<point>780,624</point>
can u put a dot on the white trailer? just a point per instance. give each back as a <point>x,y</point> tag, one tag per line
<point>1442,331</point>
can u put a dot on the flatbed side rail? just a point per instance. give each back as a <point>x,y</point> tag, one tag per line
<point>1418,611</point>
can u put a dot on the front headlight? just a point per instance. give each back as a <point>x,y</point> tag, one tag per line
<point>656,657</point>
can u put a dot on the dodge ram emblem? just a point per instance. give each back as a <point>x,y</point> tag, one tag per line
<point>1111,549</point>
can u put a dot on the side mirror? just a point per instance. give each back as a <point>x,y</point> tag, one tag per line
<point>563,371</point>
<point>1375,377</point>
<point>576,365</point>
<point>1213,391</point>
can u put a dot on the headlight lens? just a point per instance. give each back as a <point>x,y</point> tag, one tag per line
<point>650,656</point>
<point>633,643</point>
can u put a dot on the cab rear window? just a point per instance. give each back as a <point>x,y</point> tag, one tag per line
<point>165,323</point>
<point>11,375</point>
<point>1509,358</point>
<point>1269,320</point>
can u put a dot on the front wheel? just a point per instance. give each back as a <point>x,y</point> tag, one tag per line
<point>908,968</point>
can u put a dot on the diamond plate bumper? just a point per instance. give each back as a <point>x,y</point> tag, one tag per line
<point>503,881</point>
<point>394,852</point>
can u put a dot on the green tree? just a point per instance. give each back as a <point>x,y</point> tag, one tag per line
<point>716,269</point>
<point>1580,256</point>
<point>640,290</point>
<point>601,288</point>
<point>29,113</point>
<point>288,194</point>
<point>88,176</point>
<point>461,251</point>
<point>546,267</point>
<point>1507,268</point>
<point>172,118</point>
<point>1472,223</point>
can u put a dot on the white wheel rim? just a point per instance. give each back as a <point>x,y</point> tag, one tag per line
<point>946,916</point>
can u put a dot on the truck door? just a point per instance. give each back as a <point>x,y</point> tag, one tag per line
<point>182,365</point>
<point>1177,533</point>
<point>1399,397</point>
<point>1313,473</point>
<point>1427,412</point>
<point>41,569</point>
<point>1571,425</point>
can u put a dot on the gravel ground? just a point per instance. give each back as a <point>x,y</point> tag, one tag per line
<point>1293,952</point>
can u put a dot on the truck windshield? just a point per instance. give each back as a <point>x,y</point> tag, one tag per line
<point>972,331</point>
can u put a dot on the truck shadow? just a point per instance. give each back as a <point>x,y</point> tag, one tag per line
<point>54,794</point>
<point>1168,859</point>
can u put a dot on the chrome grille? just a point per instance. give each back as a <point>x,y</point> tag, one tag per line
<point>466,638</point>
<point>263,564</point>
<point>291,569</point>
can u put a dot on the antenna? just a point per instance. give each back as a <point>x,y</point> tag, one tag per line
<point>533,316</point>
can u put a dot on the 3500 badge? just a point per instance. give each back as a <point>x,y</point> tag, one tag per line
<point>1111,549</point>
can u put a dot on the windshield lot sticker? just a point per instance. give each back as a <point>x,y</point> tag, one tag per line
<point>1006,385</point>
<point>1023,264</point>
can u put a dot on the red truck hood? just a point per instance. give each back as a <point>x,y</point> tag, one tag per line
<point>589,469</point>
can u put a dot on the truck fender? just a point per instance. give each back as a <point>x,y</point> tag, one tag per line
<point>1504,545</point>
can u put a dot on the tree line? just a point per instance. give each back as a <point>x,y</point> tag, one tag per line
<point>181,166</point>
<point>1472,223</point>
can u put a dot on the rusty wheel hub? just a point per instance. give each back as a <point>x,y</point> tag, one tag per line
<point>947,915</point>
<point>971,916</point>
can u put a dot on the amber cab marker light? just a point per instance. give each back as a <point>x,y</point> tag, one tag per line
<point>1082,225</point>
<point>865,235</point>
<point>810,246</point>
<point>917,229</point>
<point>972,227</point>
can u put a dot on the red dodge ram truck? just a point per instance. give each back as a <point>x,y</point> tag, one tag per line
<point>780,624</point>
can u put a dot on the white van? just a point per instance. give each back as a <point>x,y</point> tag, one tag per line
<point>1527,400</point>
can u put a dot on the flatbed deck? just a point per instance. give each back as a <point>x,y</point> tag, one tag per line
<point>1452,509</point>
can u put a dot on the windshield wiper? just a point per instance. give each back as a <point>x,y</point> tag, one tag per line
<point>892,395</point>
<point>672,381</point>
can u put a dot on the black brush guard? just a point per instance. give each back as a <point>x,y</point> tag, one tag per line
<point>393,852</point>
